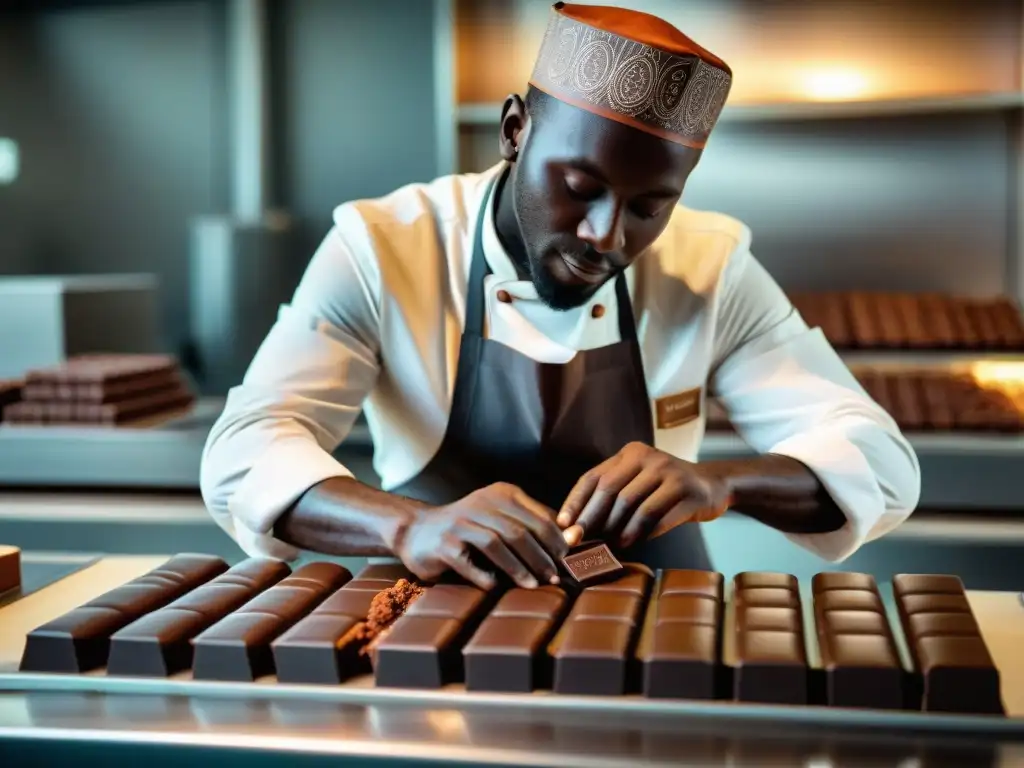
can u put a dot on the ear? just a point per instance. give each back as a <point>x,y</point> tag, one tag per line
<point>513,123</point>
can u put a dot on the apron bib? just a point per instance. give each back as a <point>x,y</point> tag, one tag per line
<point>541,426</point>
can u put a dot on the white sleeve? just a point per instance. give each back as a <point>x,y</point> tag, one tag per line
<point>299,398</point>
<point>787,392</point>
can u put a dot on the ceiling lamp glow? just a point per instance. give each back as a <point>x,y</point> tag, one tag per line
<point>835,84</point>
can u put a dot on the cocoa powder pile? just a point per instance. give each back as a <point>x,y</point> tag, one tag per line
<point>386,607</point>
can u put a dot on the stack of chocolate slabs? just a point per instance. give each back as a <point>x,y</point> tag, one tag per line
<point>103,390</point>
<point>10,393</point>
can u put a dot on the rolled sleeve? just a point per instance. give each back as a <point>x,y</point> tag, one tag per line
<point>787,392</point>
<point>299,399</point>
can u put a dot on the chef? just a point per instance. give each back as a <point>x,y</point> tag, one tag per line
<point>534,347</point>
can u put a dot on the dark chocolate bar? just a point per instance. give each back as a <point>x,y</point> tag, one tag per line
<point>79,641</point>
<point>680,646</point>
<point>858,651</point>
<point>103,369</point>
<point>508,653</point>
<point>590,563</point>
<point>593,649</point>
<point>238,647</point>
<point>770,664</point>
<point>10,568</point>
<point>946,646</point>
<point>423,649</point>
<point>159,643</point>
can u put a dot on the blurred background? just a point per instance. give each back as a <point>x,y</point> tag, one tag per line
<point>167,168</point>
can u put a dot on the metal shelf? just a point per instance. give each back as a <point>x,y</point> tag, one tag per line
<point>488,113</point>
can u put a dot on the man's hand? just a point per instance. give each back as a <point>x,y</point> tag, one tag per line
<point>516,533</point>
<point>639,492</point>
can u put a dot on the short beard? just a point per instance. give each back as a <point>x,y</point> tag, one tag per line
<point>554,294</point>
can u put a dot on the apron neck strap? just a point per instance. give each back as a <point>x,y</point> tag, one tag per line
<point>479,270</point>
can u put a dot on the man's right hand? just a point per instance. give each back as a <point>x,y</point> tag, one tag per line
<point>516,533</point>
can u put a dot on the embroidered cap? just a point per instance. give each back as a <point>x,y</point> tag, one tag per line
<point>634,68</point>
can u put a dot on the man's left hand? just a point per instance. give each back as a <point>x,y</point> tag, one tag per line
<point>640,492</point>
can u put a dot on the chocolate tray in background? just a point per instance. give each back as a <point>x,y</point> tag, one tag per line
<point>757,654</point>
<point>930,401</point>
<point>879,320</point>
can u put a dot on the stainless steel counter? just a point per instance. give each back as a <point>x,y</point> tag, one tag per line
<point>452,726</point>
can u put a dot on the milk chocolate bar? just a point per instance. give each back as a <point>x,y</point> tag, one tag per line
<point>984,323</point>
<point>680,646</point>
<point>10,568</point>
<point>863,322</point>
<point>771,664</point>
<point>590,563</point>
<point>238,647</point>
<point>159,643</point>
<point>1009,325</point>
<point>79,641</point>
<point>958,674</point>
<point>935,310</point>
<point>858,651</point>
<point>424,647</point>
<point>593,649</point>
<point>508,653</point>
<point>909,308</point>
<point>892,332</point>
<point>967,336</point>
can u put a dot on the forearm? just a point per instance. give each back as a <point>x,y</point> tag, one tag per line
<point>342,516</point>
<point>780,492</point>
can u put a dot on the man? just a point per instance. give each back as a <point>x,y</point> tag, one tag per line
<point>533,348</point>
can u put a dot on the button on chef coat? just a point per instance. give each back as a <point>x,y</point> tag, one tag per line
<point>376,322</point>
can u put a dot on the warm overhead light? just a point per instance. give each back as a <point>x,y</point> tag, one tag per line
<point>835,84</point>
<point>996,372</point>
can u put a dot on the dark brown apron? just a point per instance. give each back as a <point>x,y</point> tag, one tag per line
<point>540,426</point>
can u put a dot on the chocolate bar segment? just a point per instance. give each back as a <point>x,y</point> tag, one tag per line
<point>79,641</point>
<point>858,651</point>
<point>770,664</point>
<point>238,647</point>
<point>508,653</point>
<point>593,651</point>
<point>423,649</point>
<point>946,646</point>
<point>680,645</point>
<point>159,643</point>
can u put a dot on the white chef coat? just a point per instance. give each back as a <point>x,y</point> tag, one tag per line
<point>376,321</point>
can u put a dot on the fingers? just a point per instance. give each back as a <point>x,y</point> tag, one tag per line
<point>581,493</point>
<point>457,558</point>
<point>650,512</point>
<point>490,542</point>
<point>518,538</point>
<point>611,481</point>
<point>538,519</point>
<point>629,499</point>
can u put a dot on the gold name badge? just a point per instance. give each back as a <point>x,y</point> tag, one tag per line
<point>676,410</point>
